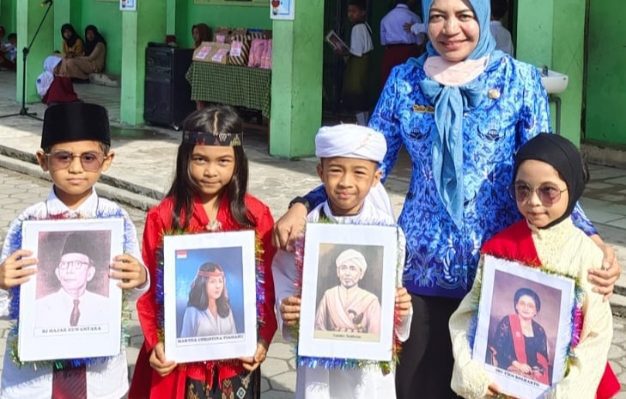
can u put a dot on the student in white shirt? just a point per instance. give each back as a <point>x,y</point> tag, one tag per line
<point>354,94</point>
<point>499,32</point>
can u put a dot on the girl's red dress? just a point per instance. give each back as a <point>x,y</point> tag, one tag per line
<point>146,383</point>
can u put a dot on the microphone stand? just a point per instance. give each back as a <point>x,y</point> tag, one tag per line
<point>25,51</point>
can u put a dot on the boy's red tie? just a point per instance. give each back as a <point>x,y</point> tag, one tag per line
<point>70,383</point>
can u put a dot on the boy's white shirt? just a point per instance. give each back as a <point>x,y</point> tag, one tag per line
<point>105,380</point>
<point>320,383</point>
<point>361,40</point>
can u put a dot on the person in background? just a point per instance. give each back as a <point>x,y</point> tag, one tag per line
<point>51,87</point>
<point>3,39</point>
<point>400,44</point>
<point>72,43</point>
<point>81,67</point>
<point>8,52</point>
<point>502,35</point>
<point>200,33</point>
<point>355,93</point>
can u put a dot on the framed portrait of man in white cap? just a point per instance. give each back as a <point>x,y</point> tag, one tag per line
<point>348,291</point>
<point>71,309</point>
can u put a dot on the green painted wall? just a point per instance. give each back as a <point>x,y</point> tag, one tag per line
<point>297,81</point>
<point>64,12</point>
<point>29,13</point>
<point>147,24</point>
<point>7,15</point>
<point>534,31</point>
<point>107,17</point>
<point>551,32</point>
<point>189,14</point>
<point>606,73</point>
<point>568,57</point>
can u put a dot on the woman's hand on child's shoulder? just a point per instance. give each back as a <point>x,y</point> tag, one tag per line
<point>158,361</point>
<point>403,302</point>
<point>290,310</point>
<point>129,271</point>
<point>17,269</point>
<point>252,363</point>
<point>604,279</point>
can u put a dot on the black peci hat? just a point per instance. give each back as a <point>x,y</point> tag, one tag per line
<point>81,242</point>
<point>74,122</point>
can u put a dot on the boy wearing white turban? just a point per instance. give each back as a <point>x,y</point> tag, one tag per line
<point>349,160</point>
<point>348,307</point>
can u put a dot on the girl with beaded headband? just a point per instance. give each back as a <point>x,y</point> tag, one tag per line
<point>208,309</point>
<point>208,194</point>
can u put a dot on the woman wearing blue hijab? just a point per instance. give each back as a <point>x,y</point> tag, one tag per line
<point>461,111</point>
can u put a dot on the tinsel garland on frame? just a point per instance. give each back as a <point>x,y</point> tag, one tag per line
<point>339,363</point>
<point>159,288</point>
<point>14,306</point>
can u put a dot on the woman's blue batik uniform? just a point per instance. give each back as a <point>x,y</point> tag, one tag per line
<point>441,255</point>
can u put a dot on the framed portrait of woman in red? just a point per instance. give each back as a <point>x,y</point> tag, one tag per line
<point>524,326</point>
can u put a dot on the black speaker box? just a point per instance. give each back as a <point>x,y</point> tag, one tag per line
<point>167,94</point>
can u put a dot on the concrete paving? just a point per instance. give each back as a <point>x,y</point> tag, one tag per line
<point>142,171</point>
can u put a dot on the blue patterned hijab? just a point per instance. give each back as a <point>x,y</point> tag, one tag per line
<point>450,102</point>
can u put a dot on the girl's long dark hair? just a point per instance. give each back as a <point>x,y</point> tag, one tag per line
<point>216,119</point>
<point>198,297</point>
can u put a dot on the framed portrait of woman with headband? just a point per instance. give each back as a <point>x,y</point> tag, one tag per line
<point>209,296</point>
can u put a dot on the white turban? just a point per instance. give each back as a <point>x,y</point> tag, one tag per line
<point>352,257</point>
<point>350,141</point>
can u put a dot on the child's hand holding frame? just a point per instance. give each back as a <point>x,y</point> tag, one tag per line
<point>129,271</point>
<point>290,310</point>
<point>16,270</point>
<point>403,303</point>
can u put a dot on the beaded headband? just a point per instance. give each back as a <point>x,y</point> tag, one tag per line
<point>207,274</point>
<point>219,139</point>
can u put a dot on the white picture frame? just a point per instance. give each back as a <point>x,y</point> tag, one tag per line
<point>503,281</point>
<point>367,337</point>
<point>128,5</point>
<point>49,327</point>
<point>193,334</point>
<point>336,42</point>
<point>283,9</point>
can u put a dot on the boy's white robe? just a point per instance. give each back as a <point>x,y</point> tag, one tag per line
<point>322,383</point>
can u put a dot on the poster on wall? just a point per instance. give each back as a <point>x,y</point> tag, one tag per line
<point>282,9</point>
<point>128,5</point>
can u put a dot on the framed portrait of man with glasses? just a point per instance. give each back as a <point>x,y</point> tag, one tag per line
<point>71,308</point>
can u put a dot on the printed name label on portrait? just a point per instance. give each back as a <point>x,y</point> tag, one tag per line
<point>215,338</point>
<point>89,330</point>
